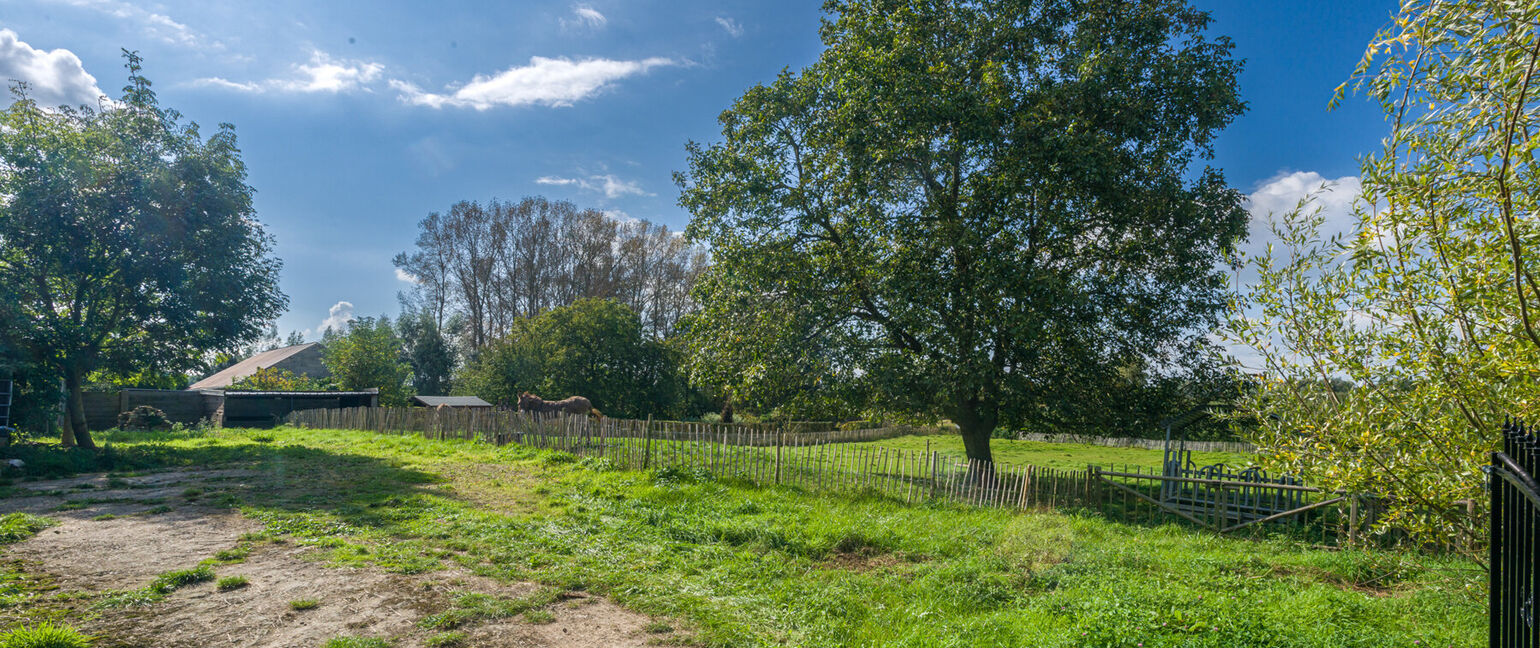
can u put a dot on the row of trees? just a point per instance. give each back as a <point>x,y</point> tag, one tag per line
<point>484,267</point>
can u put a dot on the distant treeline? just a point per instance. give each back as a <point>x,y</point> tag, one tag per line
<point>490,264</point>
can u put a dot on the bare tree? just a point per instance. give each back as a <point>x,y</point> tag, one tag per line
<point>494,263</point>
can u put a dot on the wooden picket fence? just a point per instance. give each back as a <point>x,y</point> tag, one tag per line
<point>826,462</point>
<point>815,461</point>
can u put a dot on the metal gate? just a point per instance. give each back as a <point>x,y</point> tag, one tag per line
<point>1514,551</point>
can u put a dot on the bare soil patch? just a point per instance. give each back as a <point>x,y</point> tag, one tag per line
<point>91,552</point>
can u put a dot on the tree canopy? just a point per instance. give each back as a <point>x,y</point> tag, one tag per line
<point>128,241</point>
<point>1393,353</point>
<point>976,209</point>
<point>368,354</point>
<point>596,348</point>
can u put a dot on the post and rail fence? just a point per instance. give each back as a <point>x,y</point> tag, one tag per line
<point>826,461</point>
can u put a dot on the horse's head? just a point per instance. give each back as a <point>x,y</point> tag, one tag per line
<point>527,400</point>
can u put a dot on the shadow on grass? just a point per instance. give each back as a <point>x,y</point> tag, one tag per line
<point>291,485</point>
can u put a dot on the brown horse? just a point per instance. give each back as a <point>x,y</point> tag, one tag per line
<point>575,405</point>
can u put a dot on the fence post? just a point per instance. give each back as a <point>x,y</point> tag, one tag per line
<point>779,443</point>
<point>647,443</point>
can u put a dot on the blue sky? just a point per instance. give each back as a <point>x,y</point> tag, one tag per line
<point>358,118</point>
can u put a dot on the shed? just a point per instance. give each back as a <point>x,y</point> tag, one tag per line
<point>300,359</point>
<point>458,402</point>
<point>268,408</point>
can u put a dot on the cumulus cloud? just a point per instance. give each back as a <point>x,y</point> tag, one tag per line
<point>1282,192</point>
<point>544,82</point>
<point>155,25</point>
<point>1273,198</point>
<point>402,275</point>
<point>584,16</point>
<point>733,27</point>
<point>337,317</point>
<point>54,78</point>
<point>609,185</point>
<point>322,74</point>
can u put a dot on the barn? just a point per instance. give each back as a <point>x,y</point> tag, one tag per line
<point>300,359</point>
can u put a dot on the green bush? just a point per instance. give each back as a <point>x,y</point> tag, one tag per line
<point>45,635</point>
<point>143,418</point>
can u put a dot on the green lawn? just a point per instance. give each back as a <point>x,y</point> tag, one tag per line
<point>742,566</point>
<point>1073,456</point>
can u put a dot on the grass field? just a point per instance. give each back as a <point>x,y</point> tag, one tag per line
<point>1071,456</point>
<point>732,565</point>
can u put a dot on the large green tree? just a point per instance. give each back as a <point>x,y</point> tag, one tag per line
<point>128,242</point>
<point>1393,353</point>
<point>368,354</point>
<point>427,351</point>
<point>596,348</point>
<point>980,209</point>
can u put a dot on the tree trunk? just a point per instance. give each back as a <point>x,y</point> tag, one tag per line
<point>75,432</point>
<point>977,423</point>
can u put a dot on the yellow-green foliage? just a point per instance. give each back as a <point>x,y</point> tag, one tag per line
<point>1391,356</point>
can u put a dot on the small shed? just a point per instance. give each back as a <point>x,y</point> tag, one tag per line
<point>457,402</point>
<point>268,408</point>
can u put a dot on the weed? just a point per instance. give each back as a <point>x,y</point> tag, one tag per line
<point>304,604</point>
<point>104,517</point>
<point>44,635</point>
<point>539,617</point>
<point>231,583</point>
<point>658,627</point>
<point>15,527</point>
<point>163,585</point>
<point>359,642</point>
<point>192,493</point>
<point>452,639</point>
<point>157,510</point>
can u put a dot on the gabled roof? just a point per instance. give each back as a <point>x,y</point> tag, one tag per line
<point>233,373</point>
<point>452,401</point>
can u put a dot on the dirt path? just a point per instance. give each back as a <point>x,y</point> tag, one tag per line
<point>120,534</point>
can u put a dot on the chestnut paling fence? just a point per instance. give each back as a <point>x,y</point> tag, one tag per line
<point>825,461</point>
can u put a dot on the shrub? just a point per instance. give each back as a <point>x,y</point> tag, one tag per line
<point>45,635</point>
<point>143,418</point>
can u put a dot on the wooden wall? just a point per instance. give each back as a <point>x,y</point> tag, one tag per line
<point>188,407</point>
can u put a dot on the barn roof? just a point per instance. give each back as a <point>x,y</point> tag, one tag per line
<point>234,373</point>
<point>451,401</point>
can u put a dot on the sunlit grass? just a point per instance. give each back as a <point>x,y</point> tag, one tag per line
<point>730,564</point>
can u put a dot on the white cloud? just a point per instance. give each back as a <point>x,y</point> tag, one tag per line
<point>620,216</point>
<point>1282,192</point>
<point>53,78</point>
<point>609,185</point>
<point>545,81</point>
<point>402,275</point>
<point>159,26</point>
<point>733,27</point>
<point>322,74</point>
<point>584,16</point>
<point>337,317</point>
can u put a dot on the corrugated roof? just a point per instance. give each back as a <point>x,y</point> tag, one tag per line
<point>300,394</point>
<point>229,375</point>
<point>452,401</point>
